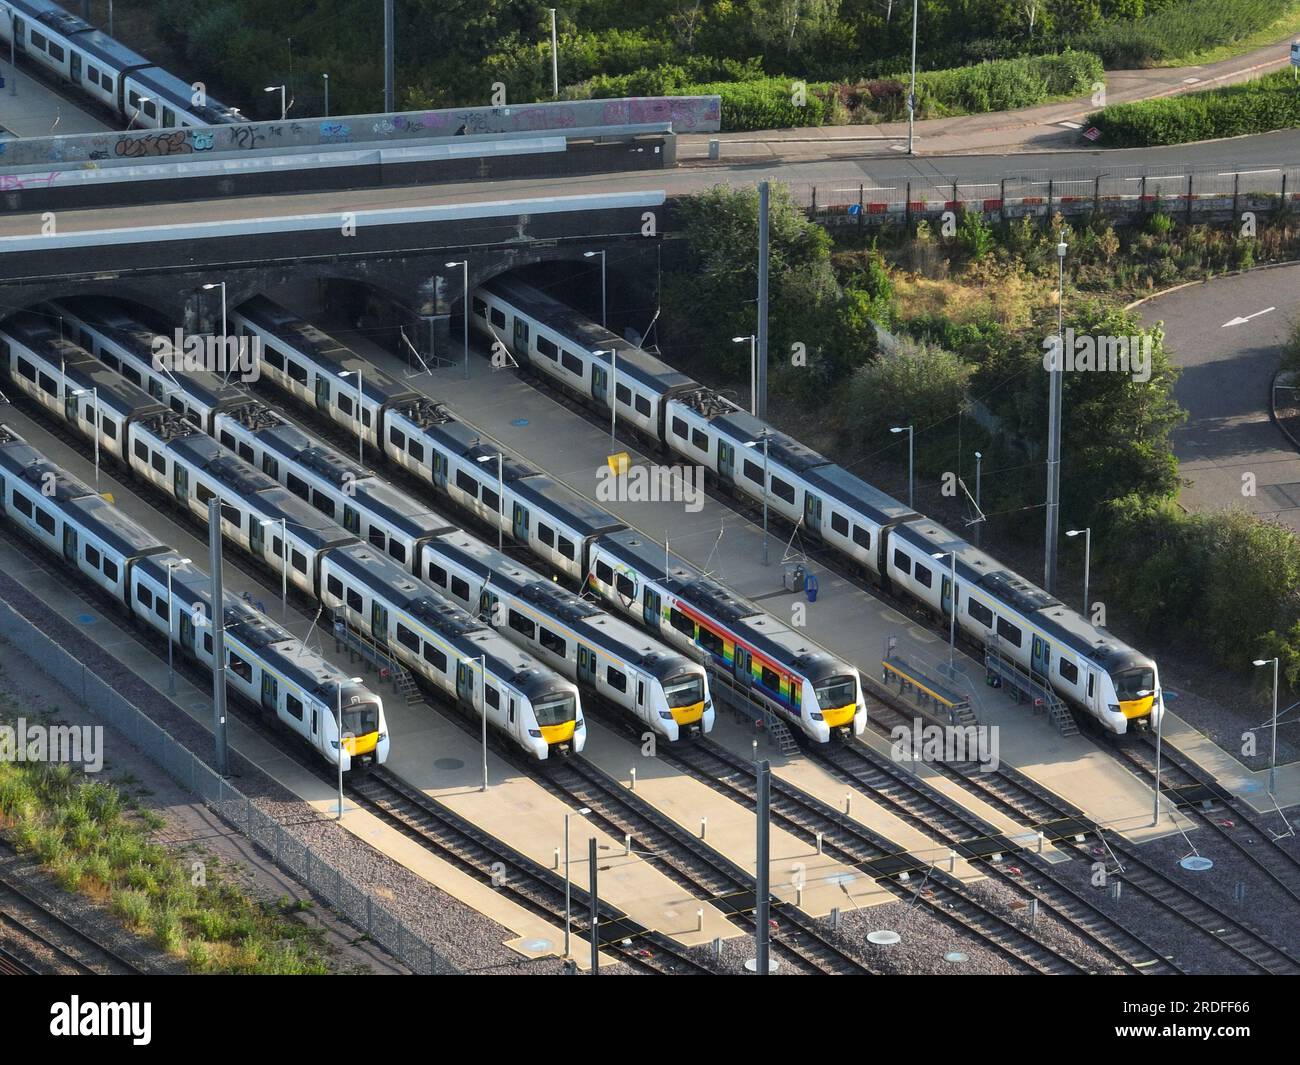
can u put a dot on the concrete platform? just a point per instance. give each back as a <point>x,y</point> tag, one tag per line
<point>798,875</point>
<point>37,110</point>
<point>845,618</point>
<point>516,809</point>
<point>1248,785</point>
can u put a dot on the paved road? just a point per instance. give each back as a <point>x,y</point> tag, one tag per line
<point>1227,371</point>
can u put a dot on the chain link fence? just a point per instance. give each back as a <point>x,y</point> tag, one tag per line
<point>182,765</point>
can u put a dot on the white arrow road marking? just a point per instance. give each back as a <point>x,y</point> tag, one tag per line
<point>1242,321</point>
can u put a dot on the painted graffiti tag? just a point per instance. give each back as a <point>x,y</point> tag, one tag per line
<point>10,182</point>
<point>203,142</point>
<point>335,131</point>
<point>154,144</point>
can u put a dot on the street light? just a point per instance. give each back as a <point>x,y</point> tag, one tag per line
<point>979,525</point>
<point>361,415</point>
<point>952,610</point>
<point>326,78</point>
<point>753,370</point>
<point>583,812</point>
<point>1055,380</point>
<point>911,96</point>
<point>482,660</point>
<point>588,255</point>
<point>93,393</point>
<point>338,724</point>
<point>284,563</point>
<point>501,502</point>
<point>1087,563</point>
<point>284,110</point>
<point>171,564</point>
<point>754,443</point>
<point>464,307</point>
<point>908,430</point>
<point>1272,763</point>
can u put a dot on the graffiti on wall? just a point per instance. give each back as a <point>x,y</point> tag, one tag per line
<point>154,144</point>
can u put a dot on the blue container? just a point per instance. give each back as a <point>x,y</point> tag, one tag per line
<point>810,587</point>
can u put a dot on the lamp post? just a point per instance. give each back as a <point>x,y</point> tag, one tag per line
<point>979,525</point>
<point>284,110</point>
<point>952,609</point>
<point>284,563</point>
<point>908,430</point>
<point>1055,380</point>
<point>361,415</point>
<point>338,724</point>
<point>1160,724</point>
<point>93,393</point>
<point>464,263</point>
<point>1087,563</point>
<point>588,255</point>
<point>753,370</point>
<point>1272,762</point>
<point>555,59</point>
<point>582,812</point>
<point>911,96</point>
<point>171,564</point>
<point>501,502</point>
<point>326,79</point>
<point>754,443</point>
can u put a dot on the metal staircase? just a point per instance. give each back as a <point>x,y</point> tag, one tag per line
<point>389,667</point>
<point>1002,671</point>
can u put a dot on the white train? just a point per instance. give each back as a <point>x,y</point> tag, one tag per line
<point>429,635</point>
<point>139,93</point>
<point>266,665</point>
<point>1088,667</point>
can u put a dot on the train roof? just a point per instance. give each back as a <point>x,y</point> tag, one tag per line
<point>408,514</point>
<point>560,501</point>
<point>19,459</point>
<point>835,482</point>
<point>98,516</point>
<point>744,429</point>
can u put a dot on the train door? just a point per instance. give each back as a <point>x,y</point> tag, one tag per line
<point>323,392</point>
<point>69,543</point>
<point>187,631</point>
<point>20,34</point>
<point>520,531</point>
<point>741,666</point>
<point>487,605</point>
<point>1093,684</point>
<point>74,67</point>
<point>256,538</point>
<point>812,512</point>
<point>180,483</point>
<point>70,407</point>
<point>1042,657</point>
<point>379,623</point>
<point>945,598</point>
<point>521,338</point>
<point>726,462</point>
<point>465,682</point>
<point>650,607</point>
<point>439,470</point>
<point>599,384</point>
<point>351,519</point>
<point>270,693</point>
<point>586,666</point>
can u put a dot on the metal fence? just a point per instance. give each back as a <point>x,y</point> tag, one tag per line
<point>183,766</point>
<point>1122,191</point>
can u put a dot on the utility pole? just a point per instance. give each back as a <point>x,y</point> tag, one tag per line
<point>595,907</point>
<point>760,402</point>
<point>218,637</point>
<point>911,96</point>
<point>1055,378</point>
<point>388,56</point>
<point>555,60</point>
<point>761,871</point>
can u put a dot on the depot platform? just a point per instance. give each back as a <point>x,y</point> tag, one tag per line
<point>845,618</point>
<point>428,751</point>
<point>38,110</point>
<point>1248,785</point>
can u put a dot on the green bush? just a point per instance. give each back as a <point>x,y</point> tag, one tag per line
<point>1177,30</point>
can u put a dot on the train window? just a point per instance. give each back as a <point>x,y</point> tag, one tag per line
<point>158,463</point>
<point>293,706</point>
<point>490,694</point>
<point>107,83</point>
<point>277,546</point>
<point>207,642</point>
<point>1008,632</point>
<point>396,436</point>
<point>169,117</point>
<point>131,375</point>
<point>771,679</point>
<point>902,561</point>
<point>151,109</point>
<point>546,534</point>
<point>862,537</point>
<point>273,357</point>
<point>548,348</point>
<point>47,384</point>
<point>110,569</point>
<point>681,622</point>
<point>416,450</point>
<point>133,98</point>
<point>345,403</point>
<point>521,624</point>
<point>56,52</point>
<point>438,575</point>
<point>141,452</point>
<point>109,428</point>
<point>26,369</point>
<point>466,483</point>
<point>39,40</point>
<point>227,439</point>
<point>491,500</point>
<point>1068,670</point>
<point>498,318</point>
<point>571,363</point>
<point>160,607</point>
<point>480,308</point>
<point>754,472</point>
<point>643,406</point>
<point>839,524</point>
<point>616,679</point>
<point>323,503</point>
<point>334,586</point>
<point>299,561</point>
<point>603,573</point>
<point>460,588</point>
<point>699,439</point>
<point>923,576</point>
<point>271,467</point>
<point>239,667</point>
<point>92,556</point>
<point>246,452</point>
<point>407,638</point>
<point>365,417</point>
<point>553,643</point>
<point>297,373</point>
<point>979,612</point>
<point>354,600</point>
<point>710,641</point>
<point>298,486</point>
<point>625,586</point>
<point>435,657</point>
<point>567,549</point>
<point>144,596</point>
<point>397,550</point>
<point>624,394</point>
<point>783,490</point>
<point>44,520</point>
<point>232,514</point>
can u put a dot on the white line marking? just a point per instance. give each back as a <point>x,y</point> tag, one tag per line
<point>1247,318</point>
<point>1243,173</point>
